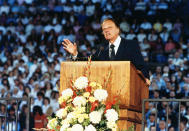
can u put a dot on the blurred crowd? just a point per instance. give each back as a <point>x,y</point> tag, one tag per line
<point>31,32</point>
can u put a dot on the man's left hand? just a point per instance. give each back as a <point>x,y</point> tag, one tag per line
<point>147,81</point>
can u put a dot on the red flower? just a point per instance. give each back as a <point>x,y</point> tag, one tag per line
<point>58,127</point>
<point>114,100</point>
<point>109,104</point>
<point>88,89</point>
<point>94,105</point>
<point>63,105</point>
<point>74,94</point>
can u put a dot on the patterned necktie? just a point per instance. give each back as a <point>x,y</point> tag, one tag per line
<point>112,52</point>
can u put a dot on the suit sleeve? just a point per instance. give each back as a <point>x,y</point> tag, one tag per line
<point>95,57</point>
<point>80,57</point>
<point>138,59</point>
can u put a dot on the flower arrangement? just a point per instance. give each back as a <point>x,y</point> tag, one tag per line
<point>84,108</point>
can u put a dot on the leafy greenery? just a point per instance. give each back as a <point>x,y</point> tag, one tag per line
<point>101,126</point>
<point>74,121</point>
<point>88,107</point>
<point>132,128</point>
<point>116,107</point>
<point>100,107</point>
<point>79,92</point>
<point>86,122</point>
<point>69,109</point>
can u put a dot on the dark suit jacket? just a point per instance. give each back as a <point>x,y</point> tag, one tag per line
<point>128,50</point>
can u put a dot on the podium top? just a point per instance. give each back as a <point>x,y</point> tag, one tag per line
<point>106,63</point>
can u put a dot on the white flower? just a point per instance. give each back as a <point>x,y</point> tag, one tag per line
<point>81,119</point>
<point>64,127</point>
<point>95,117</point>
<point>112,125</point>
<point>77,127</point>
<point>52,123</point>
<point>90,128</point>
<point>111,115</point>
<point>92,99</point>
<point>61,113</point>
<point>79,110</point>
<point>81,82</point>
<point>61,100</point>
<point>70,116</point>
<point>67,93</point>
<point>65,122</point>
<point>100,94</point>
<point>86,94</point>
<point>79,101</point>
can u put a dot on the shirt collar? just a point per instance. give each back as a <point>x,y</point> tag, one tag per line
<point>116,42</point>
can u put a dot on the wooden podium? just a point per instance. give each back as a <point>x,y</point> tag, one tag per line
<point>126,83</point>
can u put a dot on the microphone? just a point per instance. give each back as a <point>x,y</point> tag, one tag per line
<point>110,51</point>
<point>100,50</point>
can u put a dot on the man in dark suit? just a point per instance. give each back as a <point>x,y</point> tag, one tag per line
<point>118,49</point>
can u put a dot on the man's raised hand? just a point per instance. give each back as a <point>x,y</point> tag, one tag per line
<point>70,47</point>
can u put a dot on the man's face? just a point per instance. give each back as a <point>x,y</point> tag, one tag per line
<point>152,118</point>
<point>110,30</point>
<point>162,125</point>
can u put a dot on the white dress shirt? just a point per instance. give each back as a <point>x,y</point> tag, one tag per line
<point>116,44</point>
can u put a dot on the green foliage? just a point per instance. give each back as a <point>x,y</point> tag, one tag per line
<point>79,92</point>
<point>86,122</point>
<point>59,121</point>
<point>101,126</point>
<point>49,117</point>
<point>104,129</point>
<point>88,107</point>
<point>100,107</point>
<point>132,128</point>
<point>69,109</point>
<point>74,121</point>
<point>102,123</point>
<point>116,107</point>
<point>69,100</point>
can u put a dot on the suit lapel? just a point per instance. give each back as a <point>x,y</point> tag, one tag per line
<point>106,53</point>
<point>120,50</point>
